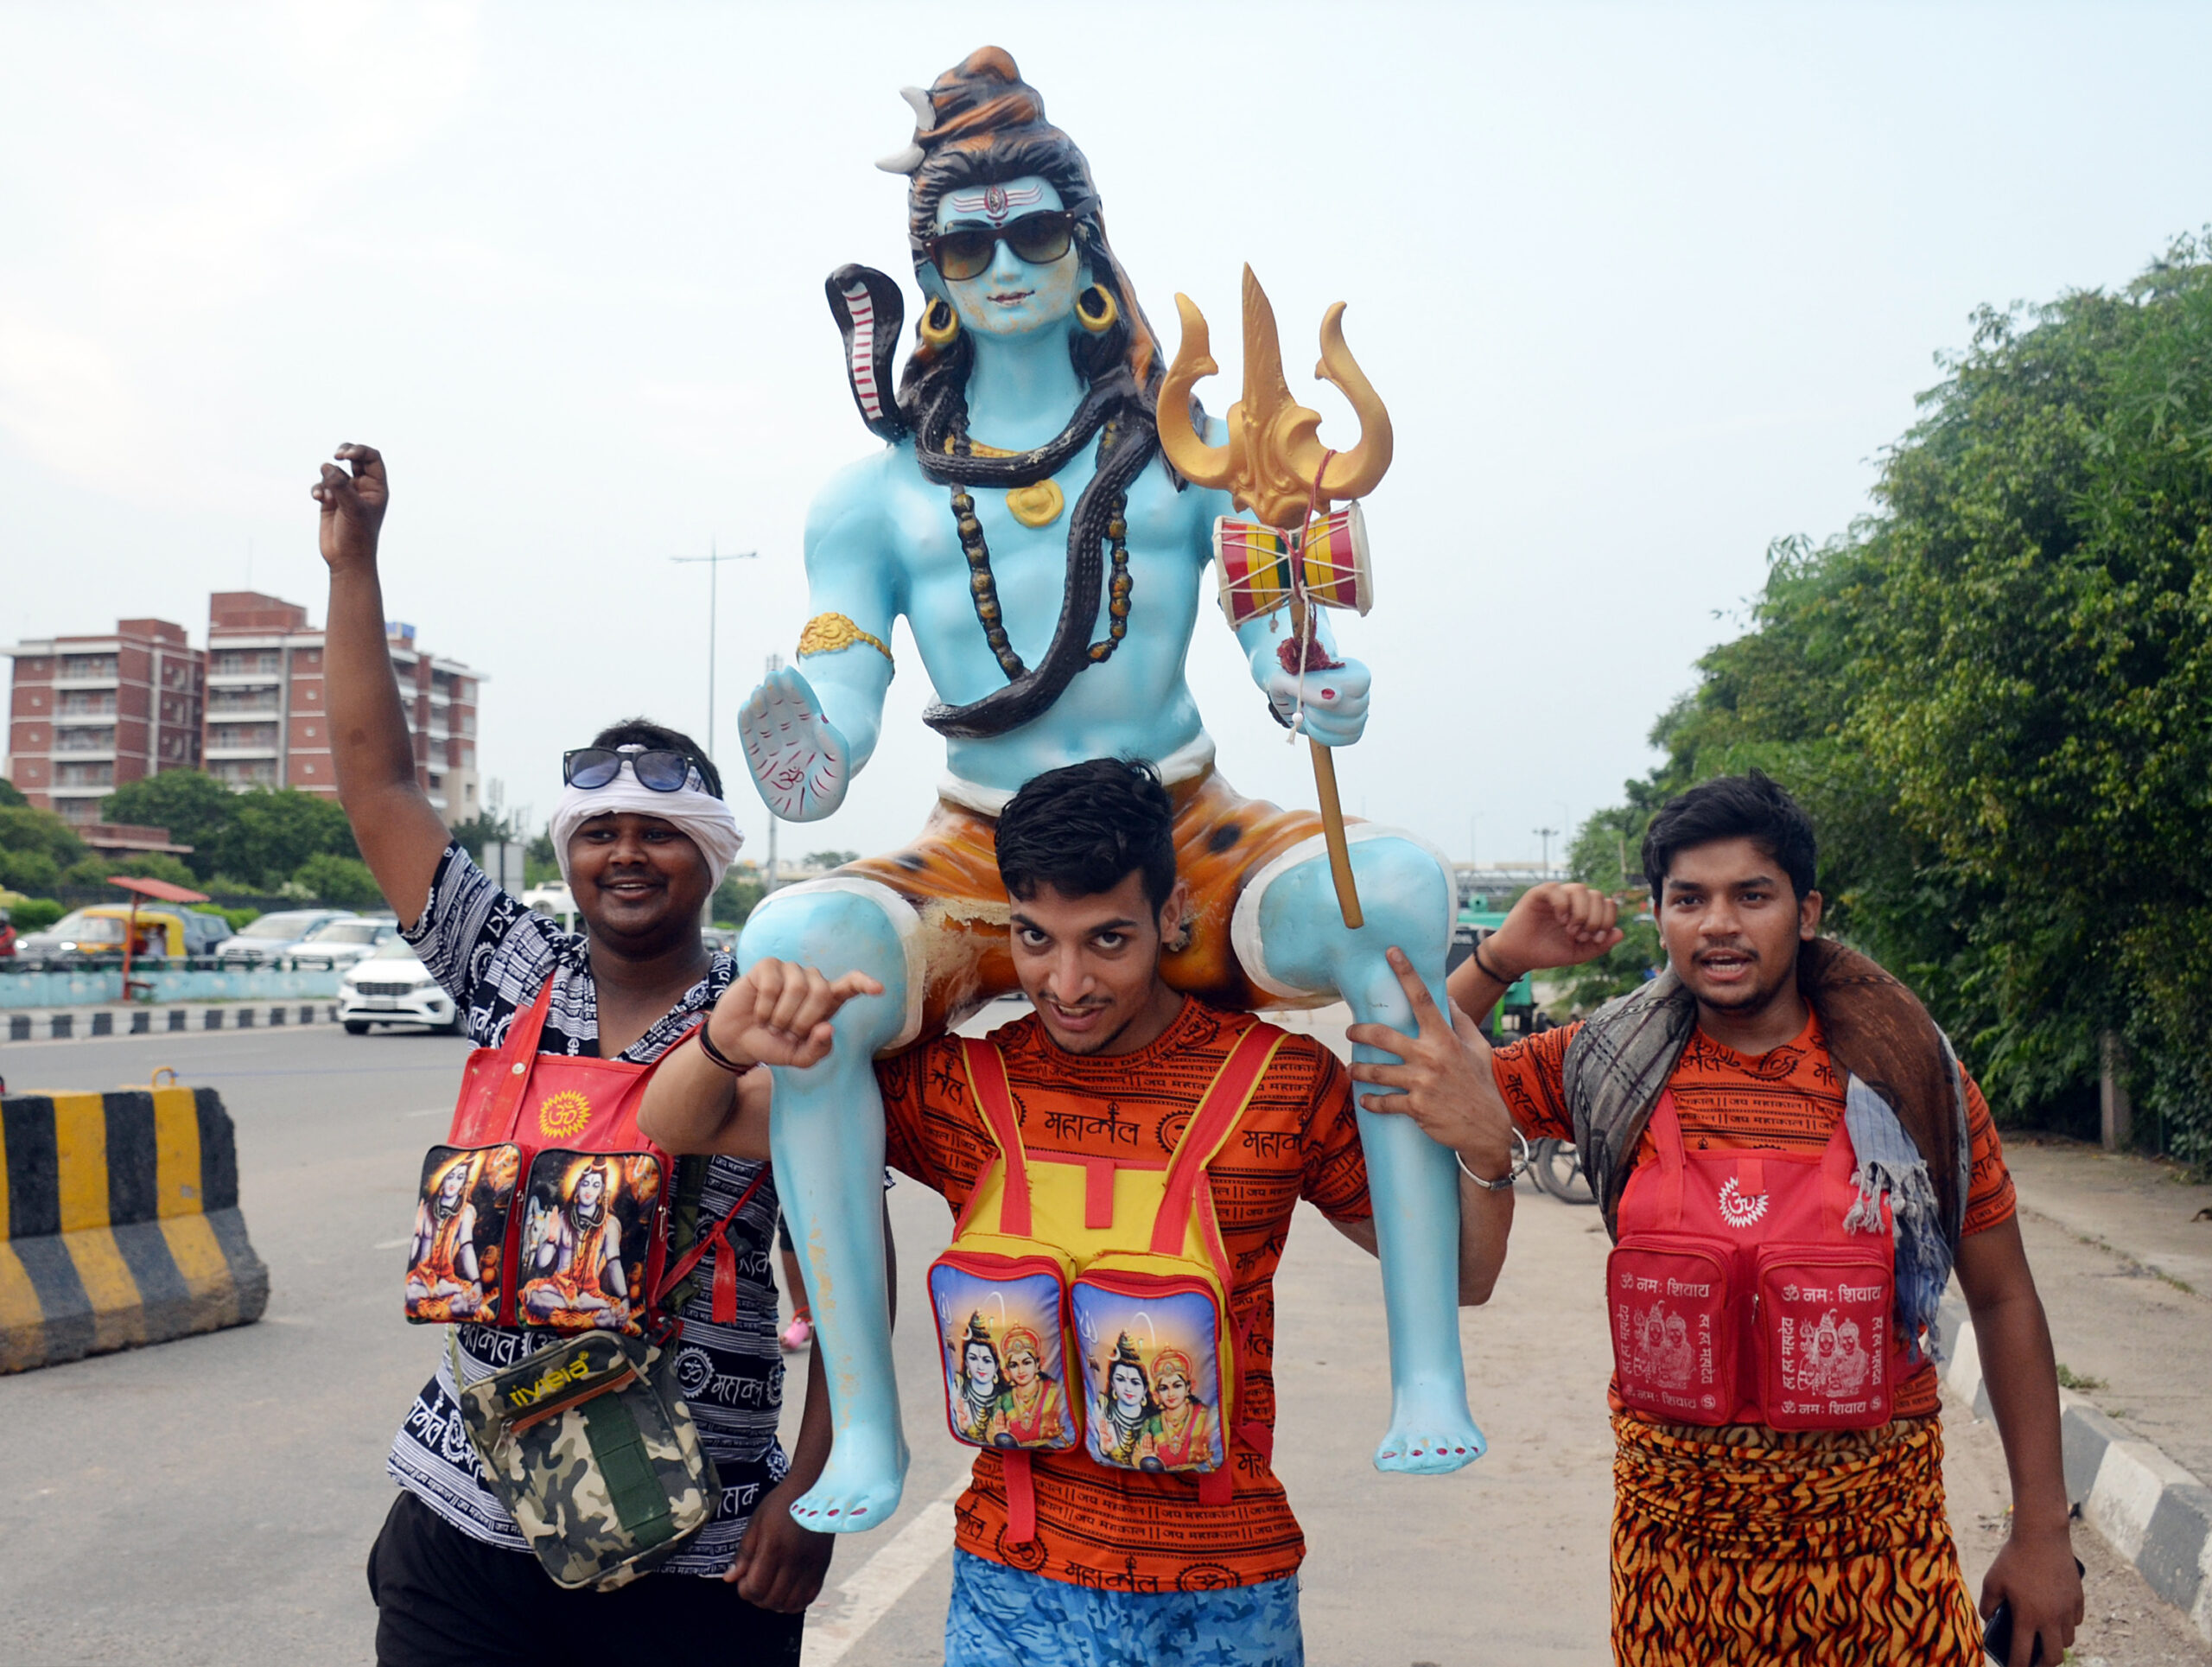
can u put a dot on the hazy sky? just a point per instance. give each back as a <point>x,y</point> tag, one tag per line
<point>1643,287</point>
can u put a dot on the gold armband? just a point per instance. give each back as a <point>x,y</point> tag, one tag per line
<point>825,633</point>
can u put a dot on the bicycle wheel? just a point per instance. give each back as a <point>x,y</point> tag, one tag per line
<point>1557,1167</point>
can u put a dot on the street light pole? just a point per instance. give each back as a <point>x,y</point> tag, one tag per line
<point>713,559</point>
<point>1546,835</point>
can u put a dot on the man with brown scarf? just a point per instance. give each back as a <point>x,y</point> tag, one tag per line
<point>1779,1063</point>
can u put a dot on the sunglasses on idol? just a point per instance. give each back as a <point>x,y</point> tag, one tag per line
<point>657,767</point>
<point>966,252</point>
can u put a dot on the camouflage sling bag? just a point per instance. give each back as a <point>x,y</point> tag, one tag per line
<point>592,1450</point>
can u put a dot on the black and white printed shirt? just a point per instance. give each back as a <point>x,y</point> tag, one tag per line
<point>492,955</point>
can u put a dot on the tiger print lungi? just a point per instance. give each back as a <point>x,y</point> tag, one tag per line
<point>1744,1545</point>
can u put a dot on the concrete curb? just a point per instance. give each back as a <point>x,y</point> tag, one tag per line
<point>119,1224</point>
<point>74,1023</point>
<point>2149,1509</point>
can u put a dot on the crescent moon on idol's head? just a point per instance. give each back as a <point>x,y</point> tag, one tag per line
<point>1151,1336</point>
<point>998,1297</point>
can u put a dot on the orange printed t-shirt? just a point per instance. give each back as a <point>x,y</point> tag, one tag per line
<point>1136,1530</point>
<point>1788,1099</point>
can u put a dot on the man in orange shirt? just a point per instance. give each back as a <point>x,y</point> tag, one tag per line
<point>1785,1513</point>
<point>1125,1564</point>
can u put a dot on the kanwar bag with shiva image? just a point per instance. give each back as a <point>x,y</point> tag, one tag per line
<point>547,1208</point>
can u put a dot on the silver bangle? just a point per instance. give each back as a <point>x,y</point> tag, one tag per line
<point>1513,1173</point>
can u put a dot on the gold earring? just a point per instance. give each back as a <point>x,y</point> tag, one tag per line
<point>939,322</point>
<point>1095,311</point>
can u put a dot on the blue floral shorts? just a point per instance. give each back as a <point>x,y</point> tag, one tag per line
<point>1001,1617</point>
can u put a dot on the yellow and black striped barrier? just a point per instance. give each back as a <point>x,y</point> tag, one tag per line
<point>120,1224</point>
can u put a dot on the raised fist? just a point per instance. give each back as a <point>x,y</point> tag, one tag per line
<point>353,505</point>
<point>797,757</point>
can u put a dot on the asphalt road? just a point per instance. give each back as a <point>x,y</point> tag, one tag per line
<point>211,1500</point>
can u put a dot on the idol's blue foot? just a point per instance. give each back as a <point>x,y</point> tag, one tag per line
<point>1431,1431</point>
<point>861,1485</point>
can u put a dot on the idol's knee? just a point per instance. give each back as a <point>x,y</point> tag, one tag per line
<point>1407,897</point>
<point>1289,929</point>
<point>844,926</point>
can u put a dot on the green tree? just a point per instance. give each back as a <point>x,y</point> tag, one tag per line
<point>483,830</point>
<point>341,881</point>
<point>36,847</point>
<point>10,794</point>
<point>37,915</point>
<point>831,859</point>
<point>736,898</point>
<point>273,830</point>
<point>191,804</point>
<point>538,866</point>
<point>1994,696</point>
<point>155,865</point>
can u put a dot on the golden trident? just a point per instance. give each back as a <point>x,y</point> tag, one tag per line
<point>1275,467</point>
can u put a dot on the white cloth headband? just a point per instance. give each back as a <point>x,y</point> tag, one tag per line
<point>702,818</point>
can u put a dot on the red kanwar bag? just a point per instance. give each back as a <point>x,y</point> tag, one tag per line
<point>544,1206</point>
<point>1735,1295</point>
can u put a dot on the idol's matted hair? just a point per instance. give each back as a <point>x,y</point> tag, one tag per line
<point>1084,829</point>
<point>988,126</point>
<point>1754,807</point>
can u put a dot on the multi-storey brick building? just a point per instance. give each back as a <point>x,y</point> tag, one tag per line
<point>90,714</point>
<point>87,713</point>
<point>266,724</point>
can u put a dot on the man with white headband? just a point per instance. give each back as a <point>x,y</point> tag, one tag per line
<point>643,838</point>
<point>662,783</point>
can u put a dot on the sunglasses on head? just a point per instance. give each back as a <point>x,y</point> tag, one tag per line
<point>657,767</point>
<point>966,252</point>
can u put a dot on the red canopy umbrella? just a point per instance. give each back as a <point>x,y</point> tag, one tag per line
<point>160,889</point>
<point>139,887</point>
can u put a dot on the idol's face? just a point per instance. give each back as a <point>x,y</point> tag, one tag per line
<point>1171,1390</point>
<point>1011,297</point>
<point>589,1189</point>
<point>1848,1340</point>
<point>1678,1332</point>
<point>449,1188</point>
<point>1021,1368</point>
<point>1827,1344</point>
<point>983,1370</point>
<point>1126,1384</point>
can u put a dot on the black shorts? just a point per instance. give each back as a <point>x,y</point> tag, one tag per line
<point>444,1599</point>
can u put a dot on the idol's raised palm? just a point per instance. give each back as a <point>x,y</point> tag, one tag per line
<point>797,757</point>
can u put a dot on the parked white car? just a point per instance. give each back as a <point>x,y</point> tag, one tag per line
<point>269,939</point>
<point>339,943</point>
<point>392,987</point>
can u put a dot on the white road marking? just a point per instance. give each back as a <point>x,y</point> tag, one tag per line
<point>867,1594</point>
<point>393,1243</point>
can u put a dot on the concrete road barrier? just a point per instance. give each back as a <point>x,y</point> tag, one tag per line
<point>2149,1509</point>
<point>72,1024</point>
<point>119,1225</point>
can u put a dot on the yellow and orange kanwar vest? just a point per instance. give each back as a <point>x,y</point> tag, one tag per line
<point>1085,1300</point>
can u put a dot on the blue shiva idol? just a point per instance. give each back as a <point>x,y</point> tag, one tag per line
<point>1049,563</point>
